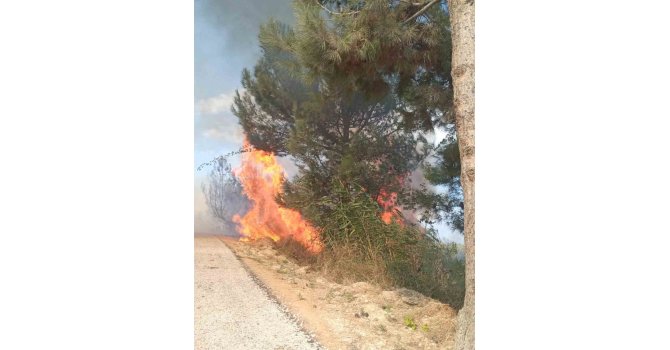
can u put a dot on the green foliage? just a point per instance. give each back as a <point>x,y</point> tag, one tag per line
<point>433,269</point>
<point>329,131</point>
<point>448,166</point>
<point>354,221</point>
<point>349,94</point>
<point>409,322</point>
<point>274,92</point>
<point>446,172</point>
<point>380,48</point>
<point>404,256</point>
<point>376,49</point>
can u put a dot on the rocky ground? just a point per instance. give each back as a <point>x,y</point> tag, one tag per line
<point>357,316</point>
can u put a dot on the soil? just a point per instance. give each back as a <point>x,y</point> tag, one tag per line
<point>356,316</point>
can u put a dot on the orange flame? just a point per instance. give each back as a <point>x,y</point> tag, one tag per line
<point>262,178</point>
<point>390,209</point>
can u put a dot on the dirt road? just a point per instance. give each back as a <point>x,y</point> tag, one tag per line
<point>232,311</point>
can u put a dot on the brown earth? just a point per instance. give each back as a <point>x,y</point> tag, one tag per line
<point>357,316</point>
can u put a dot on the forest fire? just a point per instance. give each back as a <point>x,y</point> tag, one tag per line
<point>390,209</point>
<point>262,178</point>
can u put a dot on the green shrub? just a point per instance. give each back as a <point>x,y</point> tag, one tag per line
<point>433,270</point>
<point>409,322</point>
<point>361,247</point>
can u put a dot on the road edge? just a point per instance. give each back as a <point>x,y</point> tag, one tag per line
<point>271,295</point>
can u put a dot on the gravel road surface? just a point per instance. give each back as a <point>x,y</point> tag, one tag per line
<point>232,311</point>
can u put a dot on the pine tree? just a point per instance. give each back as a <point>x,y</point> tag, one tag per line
<point>379,45</point>
<point>334,133</point>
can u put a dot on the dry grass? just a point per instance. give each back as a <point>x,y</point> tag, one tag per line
<point>341,264</point>
<point>344,265</point>
<point>425,268</point>
<point>293,249</point>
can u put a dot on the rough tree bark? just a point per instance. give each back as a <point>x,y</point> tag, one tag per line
<point>462,16</point>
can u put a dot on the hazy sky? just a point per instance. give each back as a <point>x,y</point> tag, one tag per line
<point>226,41</point>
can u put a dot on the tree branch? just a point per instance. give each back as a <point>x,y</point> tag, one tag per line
<point>420,12</point>
<point>336,13</point>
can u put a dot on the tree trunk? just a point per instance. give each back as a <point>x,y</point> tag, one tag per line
<point>462,16</point>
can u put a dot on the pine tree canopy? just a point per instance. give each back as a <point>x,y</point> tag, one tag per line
<point>349,93</point>
<point>333,133</point>
<point>378,46</point>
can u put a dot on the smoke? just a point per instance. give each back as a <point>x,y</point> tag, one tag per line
<point>224,196</point>
<point>205,223</point>
<point>288,164</point>
<point>416,181</point>
<point>445,231</point>
<point>239,21</point>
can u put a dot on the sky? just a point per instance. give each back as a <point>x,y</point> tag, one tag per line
<point>226,42</point>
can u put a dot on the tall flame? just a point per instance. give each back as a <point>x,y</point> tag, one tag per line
<point>262,178</point>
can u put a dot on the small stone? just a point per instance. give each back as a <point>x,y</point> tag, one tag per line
<point>409,296</point>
